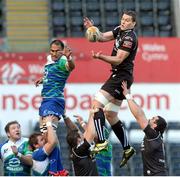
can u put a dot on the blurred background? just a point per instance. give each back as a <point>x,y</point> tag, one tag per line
<point>28,26</point>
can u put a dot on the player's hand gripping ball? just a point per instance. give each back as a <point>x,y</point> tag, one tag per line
<point>93,34</point>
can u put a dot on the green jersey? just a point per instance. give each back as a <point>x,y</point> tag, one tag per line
<point>54,80</point>
<point>13,166</point>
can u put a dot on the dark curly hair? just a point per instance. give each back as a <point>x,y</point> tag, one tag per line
<point>58,43</point>
<point>33,139</point>
<point>72,137</point>
<point>161,125</point>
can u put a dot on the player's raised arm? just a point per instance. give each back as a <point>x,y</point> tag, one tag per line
<point>70,62</point>
<point>135,109</point>
<point>102,37</point>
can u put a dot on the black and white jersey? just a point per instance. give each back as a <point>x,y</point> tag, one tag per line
<point>84,164</point>
<point>125,40</point>
<point>153,153</point>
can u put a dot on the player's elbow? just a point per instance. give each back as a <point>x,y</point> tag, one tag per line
<point>118,61</point>
<point>71,67</point>
<point>54,141</point>
<point>139,115</point>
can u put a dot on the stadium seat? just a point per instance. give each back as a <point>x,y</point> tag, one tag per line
<point>128,4</point>
<point>165,28</point>
<point>58,21</point>
<point>117,171</point>
<point>176,171</point>
<point>163,4</point>
<point>95,16</point>
<point>136,165</point>
<point>165,33</point>
<point>147,20</point>
<point>173,156</point>
<point>65,153</point>
<point>96,20</point>
<point>163,20</point>
<point>73,13</point>
<point>109,28</point>
<point>173,125</point>
<point>112,19</point>
<point>75,5</point>
<point>117,152</point>
<point>135,133</point>
<point>136,161</point>
<point>58,5</point>
<point>110,5</point>
<point>92,5</point>
<point>59,31</point>
<point>77,31</point>
<point>148,31</point>
<point>174,149</point>
<point>146,5</point>
<point>173,129</point>
<point>76,20</point>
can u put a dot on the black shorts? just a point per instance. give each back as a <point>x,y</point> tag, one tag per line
<point>113,86</point>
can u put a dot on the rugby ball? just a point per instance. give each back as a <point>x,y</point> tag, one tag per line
<point>93,34</point>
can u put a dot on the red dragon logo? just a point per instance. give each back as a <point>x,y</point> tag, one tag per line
<point>11,73</point>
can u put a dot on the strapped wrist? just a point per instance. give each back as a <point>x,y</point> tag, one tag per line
<point>49,124</point>
<point>19,155</point>
<point>70,58</point>
<point>82,123</point>
<point>129,96</point>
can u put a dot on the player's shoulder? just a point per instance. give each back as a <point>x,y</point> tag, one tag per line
<point>5,143</point>
<point>24,139</point>
<point>39,154</point>
<point>23,142</point>
<point>63,57</point>
<point>116,30</point>
<point>131,33</point>
<point>130,36</point>
<point>62,62</point>
<point>49,60</point>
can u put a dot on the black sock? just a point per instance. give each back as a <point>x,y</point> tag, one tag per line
<point>99,122</point>
<point>118,129</point>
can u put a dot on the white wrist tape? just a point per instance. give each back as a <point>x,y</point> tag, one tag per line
<point>19,155</point>
<point>70,58</point>
<point>83,124</point>
<point>48,124</point>
<point>129,97</point>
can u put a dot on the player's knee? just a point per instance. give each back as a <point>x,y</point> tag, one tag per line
<point>111,110</point>
<point>100,100</point>
<point>107,114</point>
